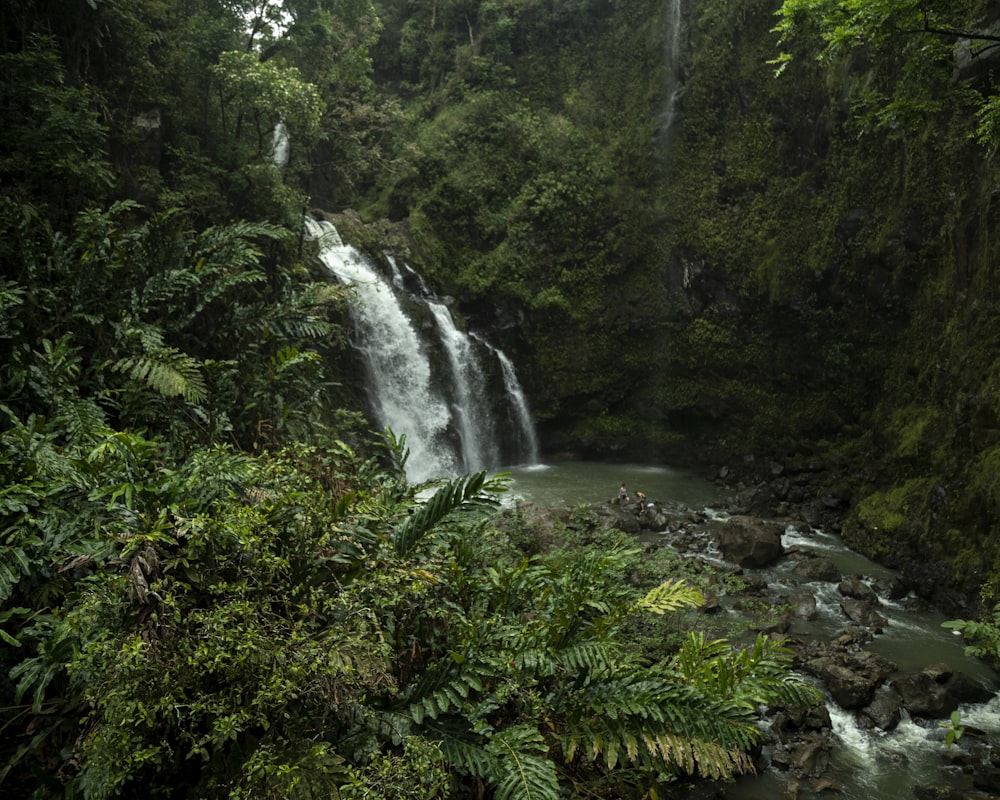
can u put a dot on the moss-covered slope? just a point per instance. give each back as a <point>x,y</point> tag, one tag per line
<point>766,275</point>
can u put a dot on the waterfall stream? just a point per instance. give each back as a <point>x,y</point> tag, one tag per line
<point>449,392</point>
<point>672,57</point>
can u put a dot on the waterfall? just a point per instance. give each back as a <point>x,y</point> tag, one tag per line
<point>475,424</point>
<point>672,56</point>
<point>280,145</point>
<point>428,380</point>
<point>519,404</point>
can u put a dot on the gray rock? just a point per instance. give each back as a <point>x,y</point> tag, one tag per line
<point>884,712</point>
<point>854,586</point>
<point>851,678</point>
<point>863,613</point>
<point>748,542</point>
<point>816,568</point>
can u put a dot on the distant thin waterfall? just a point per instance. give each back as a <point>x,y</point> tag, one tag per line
<point>429,381</point>
<point>672,55</point>
<point>280,145</point>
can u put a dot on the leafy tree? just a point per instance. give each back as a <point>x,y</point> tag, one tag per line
<point>261,95</point>
<point>914,44</point>
<point>53,152</point>
<point>982,635</point>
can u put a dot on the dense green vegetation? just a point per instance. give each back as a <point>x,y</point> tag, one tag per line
<point>214,582</point>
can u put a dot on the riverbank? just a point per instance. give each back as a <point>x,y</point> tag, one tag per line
<point>769,556</point>
<point>859,630</point>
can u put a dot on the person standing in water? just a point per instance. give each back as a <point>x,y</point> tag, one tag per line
<point>623,495</point>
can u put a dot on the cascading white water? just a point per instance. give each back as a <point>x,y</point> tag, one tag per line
<point>402,393</point>
<point>477,429</point>
<point>399,279</point>
<point>519,403</point>
<point>447,415</point>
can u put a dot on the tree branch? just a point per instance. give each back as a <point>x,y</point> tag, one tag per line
<point>952,33</point>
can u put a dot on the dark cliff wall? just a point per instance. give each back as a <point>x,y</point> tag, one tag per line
<point>839,298</point>
<point>764,277</point>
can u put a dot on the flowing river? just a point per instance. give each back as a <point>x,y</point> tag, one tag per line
<point>866,765</point>
<point>457,399</point>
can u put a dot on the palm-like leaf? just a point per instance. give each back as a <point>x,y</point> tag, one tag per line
<point>471,492</point>
<point>670,596</point>
<point>167,371</point>
<point>648,719</point>
<point>445,686</point>
<point>750,677</point>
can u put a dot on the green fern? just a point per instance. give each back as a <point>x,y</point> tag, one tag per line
<point>444,687</point>
<point>523,771</point>
<point>80,418</point>
<point>760,674</point>
<point>670,596</point>
<point>167,371</point>
<point>589,656</point>
<point>471,492</point>
<point>297,313</point>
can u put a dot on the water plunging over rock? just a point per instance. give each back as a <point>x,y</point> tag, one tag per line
<point>454,396</point>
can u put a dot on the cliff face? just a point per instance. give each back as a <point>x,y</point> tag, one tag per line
<point>837,296</point>
<point>694,260</point>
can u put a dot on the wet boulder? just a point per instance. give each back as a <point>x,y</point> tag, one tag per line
<point>613,516</point>
<point>854,586</point>
<point>884,712</point>
<point>863,613</point>
<point>851,678</point>
<point>653,519</point>
<point>816,568</point>
<point>937,690</point>
<point>803,604</point>
<point>806,756</point>
<point>749,542</point>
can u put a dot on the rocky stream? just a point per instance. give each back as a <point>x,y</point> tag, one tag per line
<point>891,674</point>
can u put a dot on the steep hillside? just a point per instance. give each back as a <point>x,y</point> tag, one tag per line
<point>784,271</point>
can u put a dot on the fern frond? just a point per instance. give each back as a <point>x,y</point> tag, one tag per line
<point>80,418</point>
<point>297,314</point>
<point>234,244</point>
<point>465,491</point>
<point>211,474</point>
<point>525,772</point>
<point>651,720</point>
<point>169,284</point>
<point>290,357</point>
<point>463,749</point>
<point>670,596</point>
<point>168,372</point>
<point>753,676</point>
<point>587,656</point>
<point>14,564</point>
<point>444,687</point>
<point>614,742</point>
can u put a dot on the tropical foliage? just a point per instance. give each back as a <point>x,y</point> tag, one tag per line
<point>297,624</point>
<point>213,581</point>
<point>982,635</point>
<point>916,48</point>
